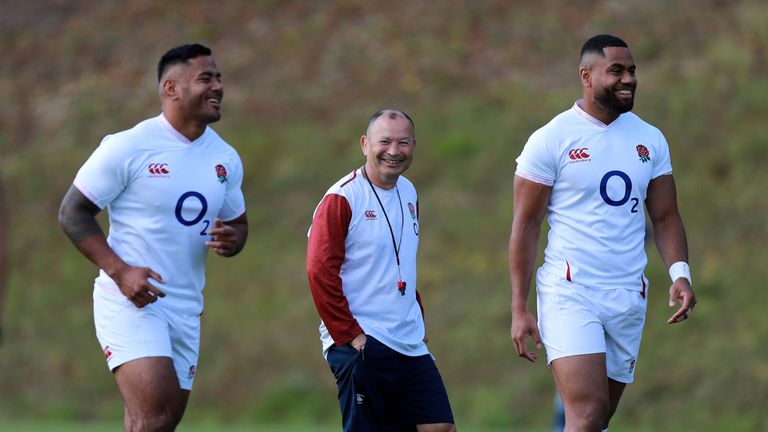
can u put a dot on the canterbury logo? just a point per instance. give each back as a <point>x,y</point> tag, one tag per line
<point>579,153</point>
<point>370,214</point>
<point>158,168</point>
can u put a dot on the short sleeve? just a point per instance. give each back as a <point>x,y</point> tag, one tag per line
<point>662,162</point>
<point>234,201</point>
<point>537,162</point>
<point>105,174</point>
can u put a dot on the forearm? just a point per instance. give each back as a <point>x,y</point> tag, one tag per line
<point>671,241</point>
<point>667,223</point>
<point>523,249</point>
<point>326,287</point>
<point>98,251</point>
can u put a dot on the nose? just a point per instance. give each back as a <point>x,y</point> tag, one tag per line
<point>393,149</point>
<point>217,85</point>
<point>628,78</point>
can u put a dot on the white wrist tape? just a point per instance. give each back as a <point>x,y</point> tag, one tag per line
<point>678,270</point>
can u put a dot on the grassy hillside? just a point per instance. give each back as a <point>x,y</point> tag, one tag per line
<point>301,80</point>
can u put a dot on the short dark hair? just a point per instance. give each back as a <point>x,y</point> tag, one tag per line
<point>180,54</point>
<point>392,114</point>
<point>596,44</point>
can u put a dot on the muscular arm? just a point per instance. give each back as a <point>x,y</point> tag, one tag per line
<point>671,242</point>
<point>530,207</point>
<point>77,217</point>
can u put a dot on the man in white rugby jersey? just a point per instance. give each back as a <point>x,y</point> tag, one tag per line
<point>590,171</point>
<point>173,189</point>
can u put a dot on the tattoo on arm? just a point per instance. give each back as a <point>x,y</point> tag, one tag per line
<point>77,216</point>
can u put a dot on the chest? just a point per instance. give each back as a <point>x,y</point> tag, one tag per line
<point>611,165</point>
<point>387,222</point>
<point>185,185</point>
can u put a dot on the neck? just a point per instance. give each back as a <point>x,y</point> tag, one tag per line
<point>191,130</point>
<point>593,108</point>
<point>379,183</point>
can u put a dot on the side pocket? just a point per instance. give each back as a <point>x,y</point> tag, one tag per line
<point>341,360</point>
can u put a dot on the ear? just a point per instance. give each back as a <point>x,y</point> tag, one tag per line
<point>585,74</point>
<point>170,89</point>
<point>364,144</point>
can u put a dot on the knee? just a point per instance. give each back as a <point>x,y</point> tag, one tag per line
<point>160,421</point>
<point>590,417</point>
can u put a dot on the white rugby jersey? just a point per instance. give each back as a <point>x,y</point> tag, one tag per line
<point>163,192</point>
<point>599,176</point>
<point>352,267</point>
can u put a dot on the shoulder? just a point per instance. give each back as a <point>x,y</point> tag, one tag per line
<point>633,120</point>
<point>561,126</point>
<point>404,184</point>
<point>220,144</point>
<point>636,124</point>
<point>134,138</point>
<point>349,185</point>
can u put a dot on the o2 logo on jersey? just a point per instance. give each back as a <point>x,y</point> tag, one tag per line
<point>192,195</point>
<point>627,190</point>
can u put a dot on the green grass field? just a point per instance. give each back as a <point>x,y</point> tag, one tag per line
<point>478,77</point>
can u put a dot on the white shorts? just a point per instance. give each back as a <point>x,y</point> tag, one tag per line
<point>574,320</point>
<point>127,333</point>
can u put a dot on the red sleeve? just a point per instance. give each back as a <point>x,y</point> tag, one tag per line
<point>325,255</point>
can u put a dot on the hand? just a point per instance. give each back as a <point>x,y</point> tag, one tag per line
<point>359,341</point>
<point>681,292</point>
<point>134,284</point>
<point>223,238</point>
<point>524,325</point>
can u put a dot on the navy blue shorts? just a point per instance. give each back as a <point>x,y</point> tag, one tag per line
<point>383,390</point>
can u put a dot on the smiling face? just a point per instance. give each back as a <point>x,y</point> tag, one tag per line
<point>609,83</point>
<point>192,92</point>
<point>201,90</point>
<point>388,147</point>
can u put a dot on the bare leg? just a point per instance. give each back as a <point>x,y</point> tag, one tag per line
<point>151,393</point>
<point>615,390</point>
<point>582,381</point>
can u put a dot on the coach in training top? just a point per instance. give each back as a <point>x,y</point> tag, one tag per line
<point>361,262</point>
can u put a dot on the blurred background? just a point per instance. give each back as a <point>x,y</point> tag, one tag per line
<point>301,79</point>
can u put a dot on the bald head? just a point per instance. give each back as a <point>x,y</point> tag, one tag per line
<point>391,114</point>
